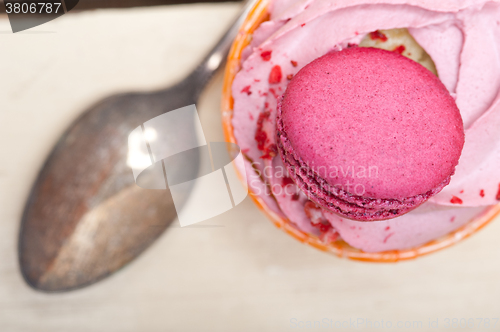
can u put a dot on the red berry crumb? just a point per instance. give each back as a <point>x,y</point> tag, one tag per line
<point>331,235</point>
<point>481,193</point>
<point>294,63</point>
<point>387,237</point>
<point>246,90</point>
<point>261,135</point>
<point>400,49</point>
<point>270,152</point>
<point>303,24</point>
<point>275,75</point>
<point>295,197</point>
<point>286,181</point>
<point>266,55</point>
<point>462,191</point>
<point>456,200</point>
<point>498,193</point>
<point>261,138</point>
<point>374,35</point>
<point>274,93</point>
<point>314,213</point>
<point>289,77</point>
<point>323,227</point>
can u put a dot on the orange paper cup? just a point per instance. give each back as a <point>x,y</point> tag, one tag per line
<point>257,15</point>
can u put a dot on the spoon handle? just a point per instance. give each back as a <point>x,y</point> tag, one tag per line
<point>199,78</point>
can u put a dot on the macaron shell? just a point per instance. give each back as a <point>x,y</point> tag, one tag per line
<point>375,121</point>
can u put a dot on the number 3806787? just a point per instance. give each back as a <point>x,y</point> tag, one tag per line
<point>32,8</point>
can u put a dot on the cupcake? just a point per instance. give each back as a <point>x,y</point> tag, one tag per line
<point>281,52</point>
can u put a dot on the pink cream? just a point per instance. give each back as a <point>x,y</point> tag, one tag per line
<point>463,39</point>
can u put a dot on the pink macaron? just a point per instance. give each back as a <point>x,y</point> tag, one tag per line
<point>368,134</point>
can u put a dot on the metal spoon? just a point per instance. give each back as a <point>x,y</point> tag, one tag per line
<point>85,218</point>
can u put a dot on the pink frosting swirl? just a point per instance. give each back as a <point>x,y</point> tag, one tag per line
<point>463,39</point>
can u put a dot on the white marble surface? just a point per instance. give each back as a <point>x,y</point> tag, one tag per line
<point>243,276</point>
